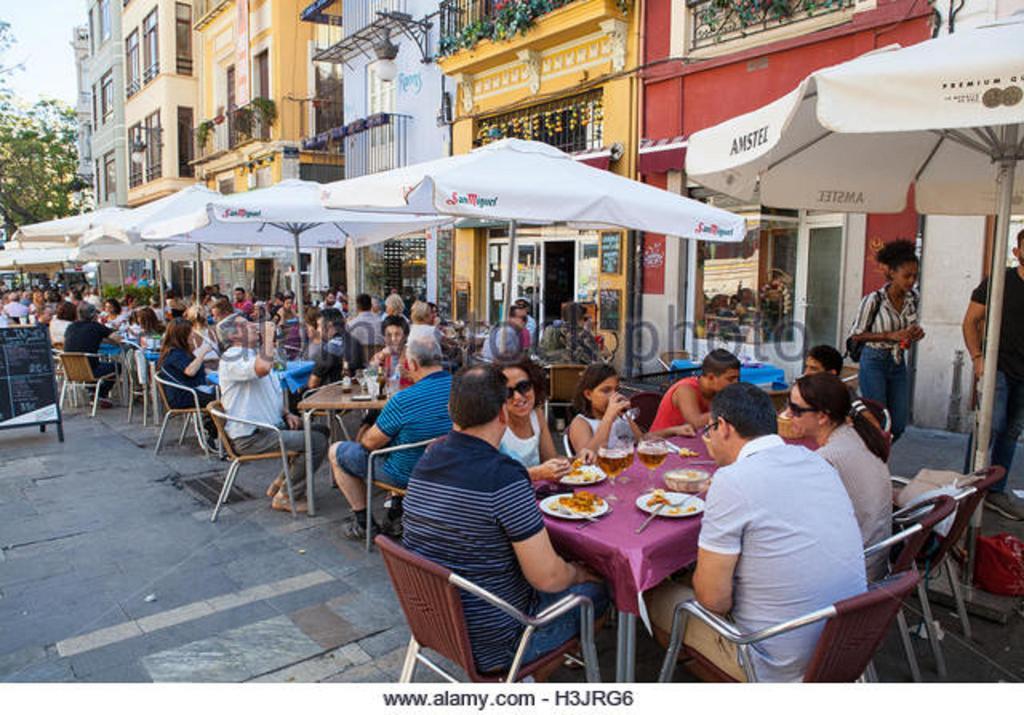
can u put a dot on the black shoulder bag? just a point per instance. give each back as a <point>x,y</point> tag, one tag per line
<point>855,347</point>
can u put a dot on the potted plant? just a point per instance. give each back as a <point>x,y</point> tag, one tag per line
<point>203,132</point>
<point>266,109</point>
<point>219,117</point>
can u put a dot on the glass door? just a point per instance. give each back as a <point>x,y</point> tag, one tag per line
<point>530,275</point>
<point>824,277</point>
<point>497,258</point>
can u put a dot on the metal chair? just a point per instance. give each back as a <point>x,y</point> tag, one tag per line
<point>665,358</point>
<point>567,445</point>
<point>193,415</point>
<point>850,375</point>
<point>216,410</point>
<point>138,385</point>
<point>312,391</point>
<point>854,630</point>
<point>78,373</point>
<point>390,488</point>
<point>918,521</point>
<point>429,596</point>
<point>647,404</point>
<point>966,502</point>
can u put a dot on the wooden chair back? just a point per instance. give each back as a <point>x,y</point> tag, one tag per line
<point>218,422</point>
<point>563,380</point>
<point>77,367</point>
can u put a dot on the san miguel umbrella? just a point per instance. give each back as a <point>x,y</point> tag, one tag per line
<point>945,115</point>
<point>287,214</point>
<point>123,229</point>
<point>515,180</point>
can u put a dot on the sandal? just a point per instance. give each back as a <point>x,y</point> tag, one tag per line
<point>280,503</point>
<point>275,487</point>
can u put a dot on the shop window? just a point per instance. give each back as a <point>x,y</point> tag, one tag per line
<point>398,263</point>
<point>745,291</point>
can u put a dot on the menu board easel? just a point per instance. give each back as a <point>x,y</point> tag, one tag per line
<point>28,391</point>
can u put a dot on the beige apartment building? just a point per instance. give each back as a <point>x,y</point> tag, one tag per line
<point>161,96</point>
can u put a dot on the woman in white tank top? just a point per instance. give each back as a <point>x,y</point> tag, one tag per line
<point>527,438</point>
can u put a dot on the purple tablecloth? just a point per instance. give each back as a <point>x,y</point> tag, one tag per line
<point>632,563</point>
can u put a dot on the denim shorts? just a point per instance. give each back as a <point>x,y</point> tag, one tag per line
<point>354,459</point>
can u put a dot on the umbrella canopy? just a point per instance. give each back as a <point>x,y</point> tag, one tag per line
<point>19,257</point>
<point>855,136</point>
<point>517,180</point>
<point>288,213</point>
<point>65,230</point>
<point>945,115</point>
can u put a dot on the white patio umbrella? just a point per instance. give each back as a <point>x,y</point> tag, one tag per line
<point>118,237</point>
<point>287,214</point>
<point>65,230</point>
<point>945,115</point>
<point>19,257</point>
<point>515,180</point>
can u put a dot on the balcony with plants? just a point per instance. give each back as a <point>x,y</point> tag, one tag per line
<point>235,127</point>
<point>480,25</point>
<point>713,22</point>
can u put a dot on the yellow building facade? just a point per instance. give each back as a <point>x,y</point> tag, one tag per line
<point>568,81</point>
<point>255,95</point>
<point>161,95</point>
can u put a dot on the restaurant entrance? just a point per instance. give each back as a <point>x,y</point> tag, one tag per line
<point>559,260</point>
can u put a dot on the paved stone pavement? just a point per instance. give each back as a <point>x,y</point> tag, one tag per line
<point>111,571</point>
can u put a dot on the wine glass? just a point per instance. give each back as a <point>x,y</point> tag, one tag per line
<point>652,453</point>
<point>608,459</point>
<point>625,449</point>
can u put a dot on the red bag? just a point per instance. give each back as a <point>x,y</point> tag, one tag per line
<point>999,565</point>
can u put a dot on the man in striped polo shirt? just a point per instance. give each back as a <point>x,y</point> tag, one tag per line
<point>417,413</point>
<point>472,510</point>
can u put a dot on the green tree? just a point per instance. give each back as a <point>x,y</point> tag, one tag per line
<point>38,156</point>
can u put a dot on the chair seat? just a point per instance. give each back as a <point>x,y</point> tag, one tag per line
<point>266,455</point>
<point>390,488</point>
<point>185,410</point>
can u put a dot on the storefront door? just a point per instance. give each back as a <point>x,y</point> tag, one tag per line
<point>819,308</point>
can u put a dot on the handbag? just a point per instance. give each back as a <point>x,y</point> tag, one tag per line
<point>999,564</point>
<point>854,348</point>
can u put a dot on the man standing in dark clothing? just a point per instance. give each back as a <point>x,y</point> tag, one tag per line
<point>1008,409</point>
<point>85,336</point>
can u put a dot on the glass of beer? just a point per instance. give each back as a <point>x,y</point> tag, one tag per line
<point>652,453</point>
<point>625,448</point>
<point>611,461</point>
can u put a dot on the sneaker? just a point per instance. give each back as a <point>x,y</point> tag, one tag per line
<point>105,403</point>
<point>1005,505</point>
<point>355,529</point>
<point>393,528</point>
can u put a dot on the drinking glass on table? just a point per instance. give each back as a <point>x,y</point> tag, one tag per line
<point>652,453</point>
<point>610,460</point>
<point>626,454</point>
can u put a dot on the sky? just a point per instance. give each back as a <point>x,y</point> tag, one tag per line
<point>42,29</point>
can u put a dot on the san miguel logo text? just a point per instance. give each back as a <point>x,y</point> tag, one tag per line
<point>750,140</point>
<point>480,202</point>
<point>241,213</point>
<point>713,229</point>
<point>834,196</point>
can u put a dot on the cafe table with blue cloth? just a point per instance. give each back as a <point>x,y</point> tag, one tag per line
<point>293,377</point>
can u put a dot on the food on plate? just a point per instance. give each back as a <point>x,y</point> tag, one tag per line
<point>684,452</point>
<point>677,510</point>
<point>658,497</point>
<point>581,502</point>
<point>584,474</point>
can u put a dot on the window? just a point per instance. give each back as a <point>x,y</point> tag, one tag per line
<point>131,64</point>
<point>104,9</point>
<point>107,94</point>
<point>150,48</point>
<point>134,167</point>
<point>745,290</point>
<point>183,38</point>
<point>109,177</point>
<point>97,182</point>
<point>185,148</point>
<point>95,114</point>
<point>92,45</point>
<point>261,72</point>
<point>328,105</point>
<point>154,146</point>
<point>572,124</point>
<point>381,94</point>
<point>230,79</point>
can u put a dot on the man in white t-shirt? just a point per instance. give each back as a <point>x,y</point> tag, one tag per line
<point>778,540</point>
<point>250,390</point>
<point>365,325</point>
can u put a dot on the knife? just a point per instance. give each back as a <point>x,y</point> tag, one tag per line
<point>649,519</point>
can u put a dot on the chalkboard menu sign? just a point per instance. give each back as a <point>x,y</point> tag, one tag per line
<point>611,308</point>
<point>28,392</point>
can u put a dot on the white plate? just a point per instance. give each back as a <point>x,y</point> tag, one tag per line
<point>592,474</point>
<point>680,502</point>
<point>549,506</point>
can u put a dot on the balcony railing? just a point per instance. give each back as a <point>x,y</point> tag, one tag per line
<point>715,21</point>
<point>184,65</point>
<point>132,87</point>
<point>357,15</point>
<point>153,170</point>
<point>574,124</point>
<point>234,128</point>
<point>466,22</point>
<point>135,175</point>
<point>377,143</point>
<point>150,73</point>
<point>205,10</point>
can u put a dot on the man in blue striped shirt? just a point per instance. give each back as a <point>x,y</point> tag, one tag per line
<point>472,510</point>
<point>415,414</point>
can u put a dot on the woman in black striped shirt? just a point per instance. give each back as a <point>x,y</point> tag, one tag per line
<point>887,324</point>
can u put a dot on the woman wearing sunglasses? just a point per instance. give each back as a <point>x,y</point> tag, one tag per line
<point>821,408</point>
<point>528,438</point>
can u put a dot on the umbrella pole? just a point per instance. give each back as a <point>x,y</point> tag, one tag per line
<point>197,274</point>
<point>995,298</point>
<point>160,276</point>
<point>298,289</point>
<point>511,266</point>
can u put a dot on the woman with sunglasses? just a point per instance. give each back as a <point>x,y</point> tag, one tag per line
<point>821,408</point>
<point>528,438</point>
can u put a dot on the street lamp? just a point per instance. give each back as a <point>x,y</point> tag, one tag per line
<point>386,51</point>
<point>138,143</point>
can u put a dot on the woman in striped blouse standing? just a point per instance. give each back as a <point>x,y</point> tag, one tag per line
<point>887,324</point>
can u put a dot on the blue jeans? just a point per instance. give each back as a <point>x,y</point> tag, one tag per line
<point>355,460</point>
<point>885,382</point>
<point>567,626</point>
<point>1007,423</point>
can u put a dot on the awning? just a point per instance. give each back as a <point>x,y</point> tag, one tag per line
<point>660,155</point>
<point>597,158</point>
